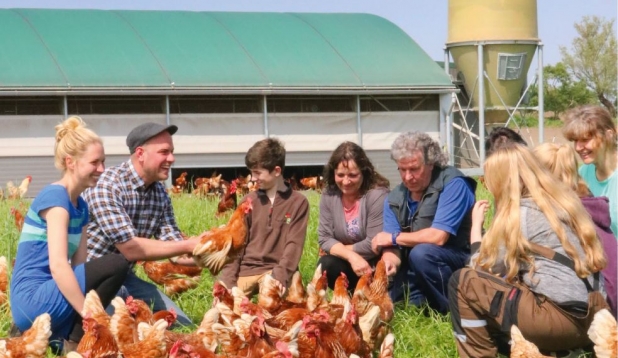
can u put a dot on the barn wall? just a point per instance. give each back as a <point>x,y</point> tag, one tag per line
<point>41,168</point>
<point>212,140</point>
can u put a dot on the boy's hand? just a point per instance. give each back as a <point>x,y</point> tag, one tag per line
<point>279,286</point>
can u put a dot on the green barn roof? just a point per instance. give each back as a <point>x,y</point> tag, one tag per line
<point>100,50</point>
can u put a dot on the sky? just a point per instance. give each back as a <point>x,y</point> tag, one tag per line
<point>424,20</point>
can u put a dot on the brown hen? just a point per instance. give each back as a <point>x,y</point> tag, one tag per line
<point>175,278</point>
<point>4,280</point>
<point>19,192</point>
<point>32,344</point>
<point>220,245</point>
<point>270,296</point>
<point>181,181</point>
<point>604,335</point>
<point>296,291</point>
<point>94,309</point>
<point>228,200</point>
<point>18,219</point>
<point>122,324</point>
<point>327,343</point>
<point>97,341</point>
<point>151,343</point>
<point>521,348</point>
<point>182,350</point>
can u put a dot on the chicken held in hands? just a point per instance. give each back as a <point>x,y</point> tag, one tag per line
<point>220,245</point>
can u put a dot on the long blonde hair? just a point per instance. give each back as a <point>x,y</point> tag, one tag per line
<point>72,139</point>
<point>511,173</point>
<point>561,160</point>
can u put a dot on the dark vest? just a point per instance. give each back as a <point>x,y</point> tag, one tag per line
<point>426,209</point>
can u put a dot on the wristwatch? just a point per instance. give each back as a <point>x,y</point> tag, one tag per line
<point>394,238</point>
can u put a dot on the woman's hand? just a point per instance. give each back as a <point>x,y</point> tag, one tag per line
<point>478,217</point>
<point>478,212</point>
<point>360,266</point>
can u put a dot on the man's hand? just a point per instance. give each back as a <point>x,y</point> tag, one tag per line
<point>391,261</point>
<point>183,260</point>
<point>359,265</point>
<point>192,242</point>
<point>382,239</point>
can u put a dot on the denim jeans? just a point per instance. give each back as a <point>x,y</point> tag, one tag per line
<point>148,292</point>
<point>425,274</point>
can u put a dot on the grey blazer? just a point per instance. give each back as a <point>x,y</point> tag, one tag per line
<point>332,226</point>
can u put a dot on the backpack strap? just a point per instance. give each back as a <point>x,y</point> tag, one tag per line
<point>550,254</point>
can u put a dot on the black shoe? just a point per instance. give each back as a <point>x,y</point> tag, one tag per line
<point>14,331</point>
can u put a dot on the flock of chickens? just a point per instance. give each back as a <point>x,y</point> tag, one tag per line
<point>15,192</point>
<point>229,191</point>
<point>301,322</point>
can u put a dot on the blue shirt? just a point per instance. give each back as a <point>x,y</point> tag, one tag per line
<point>33,289</point>
<point>456,199</point>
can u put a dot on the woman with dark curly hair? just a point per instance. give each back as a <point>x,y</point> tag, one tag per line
<point>350,213</point>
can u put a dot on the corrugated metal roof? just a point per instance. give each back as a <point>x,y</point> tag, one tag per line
<point>131,50</point>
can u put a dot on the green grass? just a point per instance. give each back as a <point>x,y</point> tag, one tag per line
<point>533,122</point>
<point>416,335</point>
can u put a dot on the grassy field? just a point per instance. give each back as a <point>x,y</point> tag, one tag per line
<point>416,335</point>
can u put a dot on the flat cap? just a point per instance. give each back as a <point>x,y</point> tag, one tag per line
<point>142,133</point>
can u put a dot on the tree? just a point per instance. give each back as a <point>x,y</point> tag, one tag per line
<point>593,58</point>
<point>561,92</point>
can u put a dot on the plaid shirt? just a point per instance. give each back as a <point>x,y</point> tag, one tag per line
<point>121,208</point>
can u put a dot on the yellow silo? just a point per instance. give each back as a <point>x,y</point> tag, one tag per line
<point>507,30</point>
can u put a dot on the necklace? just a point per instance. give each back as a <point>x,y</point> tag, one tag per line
<point>351,208</point>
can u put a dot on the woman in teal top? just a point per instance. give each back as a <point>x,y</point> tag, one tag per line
<point>593,133</point>
<point>50,274</point>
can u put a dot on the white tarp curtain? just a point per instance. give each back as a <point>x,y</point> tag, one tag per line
<point>225,133</point>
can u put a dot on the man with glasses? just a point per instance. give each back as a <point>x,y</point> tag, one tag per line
<point>427,222</point>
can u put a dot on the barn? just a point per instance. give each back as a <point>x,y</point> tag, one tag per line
<point>225,79</point>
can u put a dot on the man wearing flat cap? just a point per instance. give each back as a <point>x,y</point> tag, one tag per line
<point>129,206</point>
